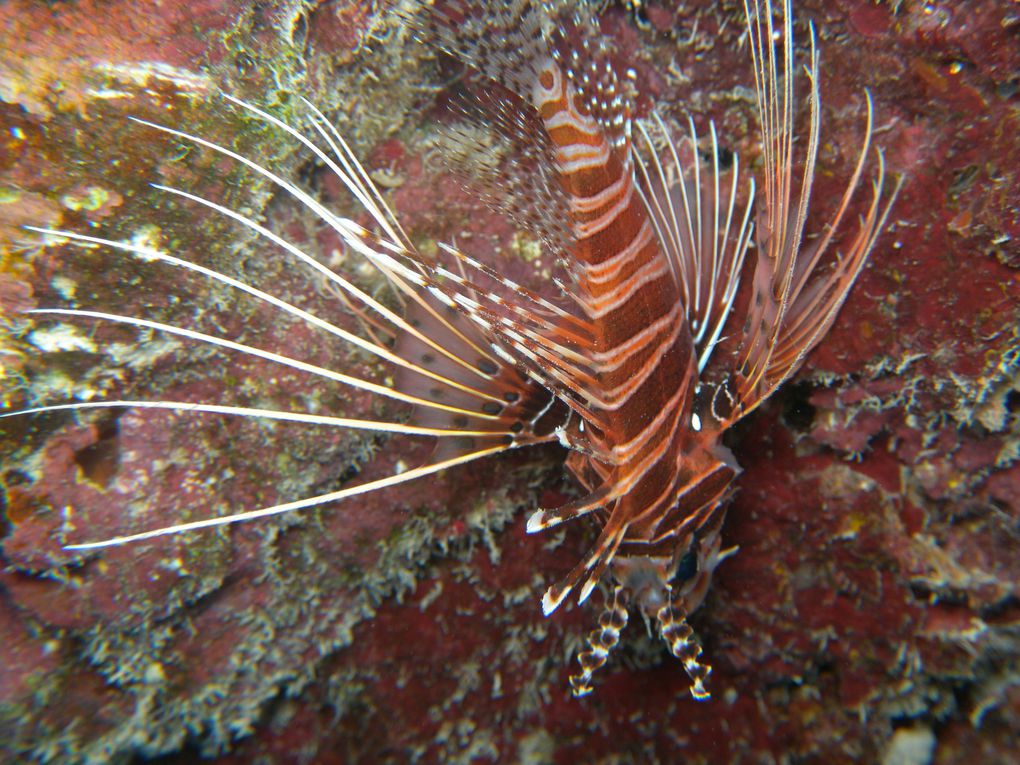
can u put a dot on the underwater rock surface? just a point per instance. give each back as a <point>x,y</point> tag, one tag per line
<point>872,612</point>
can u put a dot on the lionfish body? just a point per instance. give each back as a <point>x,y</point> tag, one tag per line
<point>639,372</point>
<point>620,369</point>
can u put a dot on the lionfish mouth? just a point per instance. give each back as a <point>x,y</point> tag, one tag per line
<point>645,356</point>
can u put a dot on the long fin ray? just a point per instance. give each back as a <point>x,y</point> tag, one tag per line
<point>705,254</point>
<point>249,350</point>
<point>270,414</point>
<point>371,347</point>
<point>287,507</point>
<point>352,234</point>
<point>352,174</point>
<point>788,314</point>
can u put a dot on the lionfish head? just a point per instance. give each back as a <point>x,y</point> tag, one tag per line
<point>681,579</point>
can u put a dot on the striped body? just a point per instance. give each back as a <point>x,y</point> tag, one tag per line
<point>642,355</point>
<point>640,451</point>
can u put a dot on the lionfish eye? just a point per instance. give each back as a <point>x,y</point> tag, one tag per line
<point>702,396</point>
<point>687,567</point>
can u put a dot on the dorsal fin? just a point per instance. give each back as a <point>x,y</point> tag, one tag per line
<point>503,41</point>
<point>498,146</point>
<point>699,224</point>
<point>508,47</point>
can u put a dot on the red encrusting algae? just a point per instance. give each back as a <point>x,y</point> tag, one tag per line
<point>856,580</point>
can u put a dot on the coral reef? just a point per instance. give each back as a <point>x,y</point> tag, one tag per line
<point>872,611</point>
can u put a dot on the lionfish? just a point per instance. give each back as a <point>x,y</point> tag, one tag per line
<point>639,365</point>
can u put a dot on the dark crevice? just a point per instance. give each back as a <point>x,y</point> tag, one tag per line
<point>100,461</point>
<point>798,412</point>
